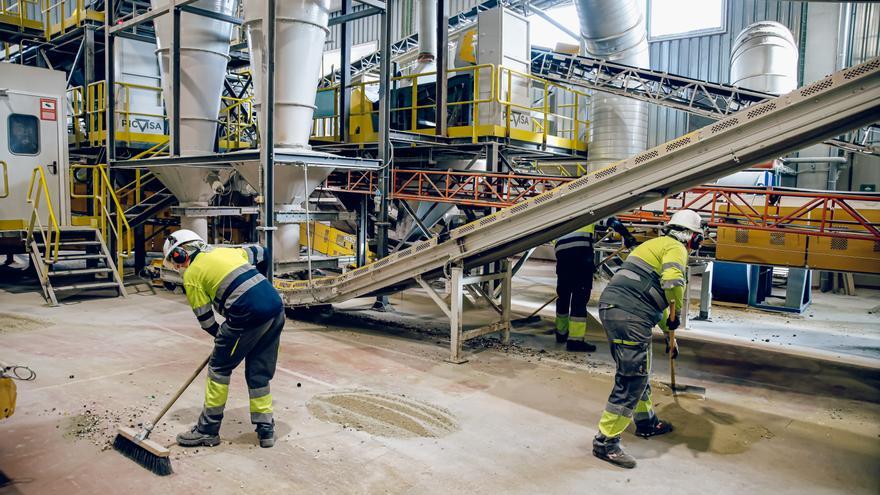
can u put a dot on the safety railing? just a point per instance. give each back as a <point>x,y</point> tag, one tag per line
<point>133,192</point>
<point>51,232</point>
<point>109,214</point>
<point>238,125</point>
<point>5,180</point>
<point>412,108</point>
<point>559,123</point>
<point>133,125</point>
<point>813,213</point>
<point>62,15</point>
<point>497,101</point>
<point>24,14</point>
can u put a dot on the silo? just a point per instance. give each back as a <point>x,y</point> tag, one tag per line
<point>204,52</point>
<point>301,29</point>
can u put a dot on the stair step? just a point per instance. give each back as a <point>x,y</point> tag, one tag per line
<point>79,257</point>
<point>88,285</point>
<point>73,243</point>
<point>79,271</point>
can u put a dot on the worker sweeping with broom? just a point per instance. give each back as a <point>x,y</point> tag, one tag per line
<point>647,290</point>
<point>232,281</point>
<point>228,279</point>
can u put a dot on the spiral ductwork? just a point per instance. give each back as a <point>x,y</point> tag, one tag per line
<point>615,31</point>
<point>765,58</point>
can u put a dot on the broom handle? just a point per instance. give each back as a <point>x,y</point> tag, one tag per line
<point>671,359</point>
<point>180,391</point>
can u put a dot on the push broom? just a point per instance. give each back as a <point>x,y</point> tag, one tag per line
<point>138,447</point>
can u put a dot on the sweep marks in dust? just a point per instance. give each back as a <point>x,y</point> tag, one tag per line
<point>383,414</point>
<point>15,322</point>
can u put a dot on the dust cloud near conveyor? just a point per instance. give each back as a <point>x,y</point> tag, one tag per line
<point>843,101</point>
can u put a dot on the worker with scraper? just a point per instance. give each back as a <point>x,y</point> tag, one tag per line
<point>233,281</point>
<point>647,290</point>
<point>575,265</point>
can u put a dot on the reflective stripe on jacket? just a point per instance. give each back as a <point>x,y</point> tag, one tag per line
<point>219,277</point>
<point>652,275</point>
<point>582,237</point>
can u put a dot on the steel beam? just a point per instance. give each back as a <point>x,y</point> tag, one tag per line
<point>146,16</point>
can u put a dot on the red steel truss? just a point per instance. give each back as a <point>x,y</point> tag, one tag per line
<point>814,213</point>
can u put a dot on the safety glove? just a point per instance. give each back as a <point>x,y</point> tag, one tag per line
<point>670,347</point>
<point>213,329</point>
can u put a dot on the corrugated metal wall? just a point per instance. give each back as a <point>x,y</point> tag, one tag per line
<point>865,41</point>
<point>708,57</point>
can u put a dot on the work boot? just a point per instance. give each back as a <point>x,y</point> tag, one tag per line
<point>608,449</point>
<point>652,428</point>
<point>561,337</point>
<point>195,438</point>
<point>266,433</point>
<point>579,346</point>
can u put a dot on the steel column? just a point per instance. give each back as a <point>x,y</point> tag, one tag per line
<point>175,80</point>
<point>345,39</point>
<point>385,150</point>
<point>109,76</point>
<point>441,63</point>
<point>267,144</point>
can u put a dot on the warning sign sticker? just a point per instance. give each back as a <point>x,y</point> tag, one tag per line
<point>48,109</point>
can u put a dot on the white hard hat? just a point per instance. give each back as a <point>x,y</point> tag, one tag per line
<point>687,219</point>
<point>179,238</point>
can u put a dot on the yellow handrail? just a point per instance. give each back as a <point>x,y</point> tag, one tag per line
<point>33,197</point>
<point>104,195</point>
<point>5,180</point>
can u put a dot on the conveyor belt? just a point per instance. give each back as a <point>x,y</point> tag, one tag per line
<point>843,101</point>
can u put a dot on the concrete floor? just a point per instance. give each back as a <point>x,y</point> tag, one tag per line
<point>773,422</point>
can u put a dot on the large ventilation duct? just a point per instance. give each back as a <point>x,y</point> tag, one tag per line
<point>765,58</point>
<point>301,29</point>
<point>427,36</point>
<point>204,52</point>
<point>615,31</point>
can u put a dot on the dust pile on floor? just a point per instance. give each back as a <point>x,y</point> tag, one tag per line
<point>383,414</point>
<point>97,425</point>
<point>13,322</point>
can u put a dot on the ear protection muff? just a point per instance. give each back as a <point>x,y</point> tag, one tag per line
<point>179,255</point>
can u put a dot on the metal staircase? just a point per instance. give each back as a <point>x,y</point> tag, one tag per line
<point>74,260</point>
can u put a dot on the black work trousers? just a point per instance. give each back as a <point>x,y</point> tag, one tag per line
<point>257,346</point>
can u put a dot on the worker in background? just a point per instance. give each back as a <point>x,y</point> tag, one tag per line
<point>647,290</point>
<point>233,281</point>
<point>575,265</point>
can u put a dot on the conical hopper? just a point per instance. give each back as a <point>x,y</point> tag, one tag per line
<point>204,52</point>
<point>301,29</point>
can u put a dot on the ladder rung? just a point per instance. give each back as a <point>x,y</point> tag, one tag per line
<point>90,285</point>
<point>80,271</point>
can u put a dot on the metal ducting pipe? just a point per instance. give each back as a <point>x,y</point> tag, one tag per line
<point>204,52</point>
<point>765,58</point>
<point>301,30</point>
<point>615,31</point>
<point>427,36</point>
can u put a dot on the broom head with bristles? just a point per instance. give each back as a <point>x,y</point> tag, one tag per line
<point>145,452</point>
